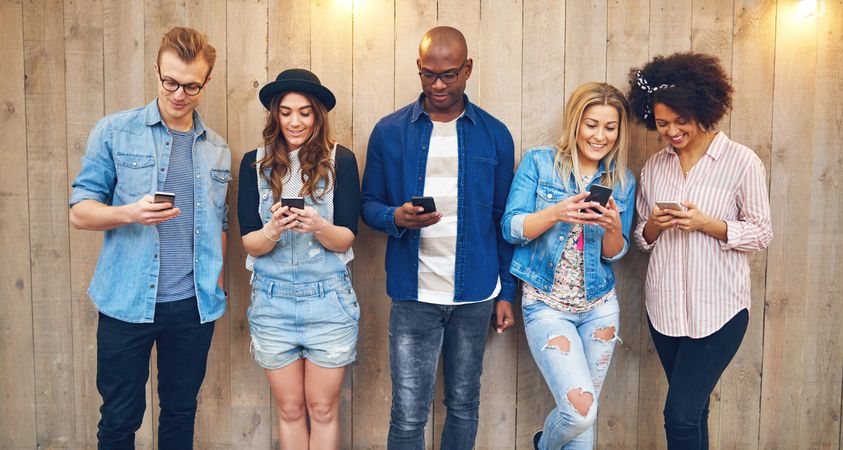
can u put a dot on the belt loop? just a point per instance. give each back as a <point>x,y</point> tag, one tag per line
<point>269,288</point>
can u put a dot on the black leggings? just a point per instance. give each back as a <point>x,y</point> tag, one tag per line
<point>693,367</point>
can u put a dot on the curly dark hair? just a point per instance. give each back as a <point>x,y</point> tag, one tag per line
<point>694,85</point>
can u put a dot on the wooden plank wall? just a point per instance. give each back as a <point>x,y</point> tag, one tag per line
<point>68,62</point>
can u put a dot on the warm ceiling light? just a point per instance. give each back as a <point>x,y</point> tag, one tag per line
<point>810,8</point>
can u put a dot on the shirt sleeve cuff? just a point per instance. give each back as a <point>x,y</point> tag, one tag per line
<point>619,255</point>
<point>732,235</point>
<point>78,195</point>
<point>389,223</point>
<point>517,228</point>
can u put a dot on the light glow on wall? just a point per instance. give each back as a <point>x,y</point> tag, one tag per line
<point>810,8</point>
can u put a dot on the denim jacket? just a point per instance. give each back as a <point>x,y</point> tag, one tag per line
<point>538,185</point>
<point>396,163</point>
<point>127,157</point>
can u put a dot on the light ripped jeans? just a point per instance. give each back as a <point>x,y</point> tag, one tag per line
<point>573,352</point>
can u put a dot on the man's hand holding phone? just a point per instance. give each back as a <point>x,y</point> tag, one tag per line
<point>147,212</point>
<point>414,217</point>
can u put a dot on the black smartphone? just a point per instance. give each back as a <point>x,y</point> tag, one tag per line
<point>425,202</point>
<point>293,202</point>
<point>599,193</point>
<point>164,197</point>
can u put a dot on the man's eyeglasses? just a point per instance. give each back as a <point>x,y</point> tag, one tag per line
<point>173,86</point>
<point>447,77</point>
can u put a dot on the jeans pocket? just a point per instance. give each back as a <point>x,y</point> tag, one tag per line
<point>346,303</point>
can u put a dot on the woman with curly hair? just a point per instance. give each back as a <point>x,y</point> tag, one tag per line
<point>566,246</point>
<point>298,206</point>
<point>702,211</point>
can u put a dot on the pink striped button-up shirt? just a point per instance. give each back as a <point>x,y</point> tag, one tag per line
<point>695,282</point>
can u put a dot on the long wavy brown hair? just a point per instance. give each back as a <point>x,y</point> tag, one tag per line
<point>314,155</point>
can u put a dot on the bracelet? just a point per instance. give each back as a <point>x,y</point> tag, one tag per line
<point>266,235</point>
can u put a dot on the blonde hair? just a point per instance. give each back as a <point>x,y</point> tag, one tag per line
<point>189,45</point>
<point>566,160</point>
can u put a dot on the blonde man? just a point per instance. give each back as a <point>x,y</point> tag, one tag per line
<point>157,281</point>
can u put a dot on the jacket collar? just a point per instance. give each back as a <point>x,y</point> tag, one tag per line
<point>152,116</point>
<point>418,109</point>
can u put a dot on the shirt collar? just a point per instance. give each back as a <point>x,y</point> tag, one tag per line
<point>418,109</point>
<point>152,116</point>
<point>715,147</point>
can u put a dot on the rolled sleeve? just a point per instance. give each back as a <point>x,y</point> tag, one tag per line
<point>98,176</point>
<point>643,209</point>
<point>521,201</point>
<point>753,230</point>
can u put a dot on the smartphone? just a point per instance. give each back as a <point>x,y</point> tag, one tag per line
<point>293,202</point>
<point>425,202</point>
<point>599,193</point>
<point>670,205</point>
<point>165,197</point>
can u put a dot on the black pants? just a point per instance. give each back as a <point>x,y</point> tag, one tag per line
<point>693,367</point>
<point>123,351</point>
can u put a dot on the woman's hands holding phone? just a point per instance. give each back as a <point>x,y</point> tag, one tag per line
<point>574,210</point>
<point>305,220</point>
<point>610,219</point>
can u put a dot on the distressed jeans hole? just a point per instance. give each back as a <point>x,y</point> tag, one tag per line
<point>560,343</point>
<point>580,400</point>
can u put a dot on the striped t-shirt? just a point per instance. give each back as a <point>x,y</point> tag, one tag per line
<point>696,283</point>
<point>175,274</point>
<point>438,242</point>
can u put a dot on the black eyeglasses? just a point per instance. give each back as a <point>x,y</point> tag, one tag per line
<point>447,77</point>
<point>169,85</point>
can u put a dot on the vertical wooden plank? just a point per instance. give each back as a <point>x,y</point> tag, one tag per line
<point>331,60</point>
<point>670,31</point>
<point>711,32</point>
<point>123,88</point>
<point>464,15</point>
<point>412,19</point>
<point>500,94</point>
<point>48,221</point>
<point>751,124</point>
<point>84,87</point>
<point>83,30</point>
<point>213,418</point>
<point>374,53</point>
<point>246,37</point>
<point>289,35</point>
<point>627,28</point>
<point>542,92</point>
<point>783,389</point>
<point>17,429</point>
<point>823,355</point>
<point>585,43</point>
<point>288,47</point>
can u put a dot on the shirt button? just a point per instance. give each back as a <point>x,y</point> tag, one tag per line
<point>167,143</point>
<point>561,238</point>
<point>162,169</point>
<point>420,178</point>
<point>134,164</point>
<point>265,195</point>
<point>197,231</point>
<point>197,176</point>
<point>198,204</point>
<point>152,286</point>
<point>155,256</point>
<point>549,195</point>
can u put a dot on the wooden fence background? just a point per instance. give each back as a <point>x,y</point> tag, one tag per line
<point>66,63</point>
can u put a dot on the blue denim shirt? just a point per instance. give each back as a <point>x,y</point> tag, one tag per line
<point>126,158</point>
<point>396,163</point>
<point>538,185</point>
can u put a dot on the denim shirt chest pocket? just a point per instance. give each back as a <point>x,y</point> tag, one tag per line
<point>482,172</point>
<point>219,186</point>
<point>135,173</point>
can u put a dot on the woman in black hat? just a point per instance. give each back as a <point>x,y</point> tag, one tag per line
<point>298,206</point>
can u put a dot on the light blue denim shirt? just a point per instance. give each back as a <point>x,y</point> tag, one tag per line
<point>536,186</point>
<point>127,157</point>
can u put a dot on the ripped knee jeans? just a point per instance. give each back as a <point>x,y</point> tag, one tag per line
<point>573,352</point>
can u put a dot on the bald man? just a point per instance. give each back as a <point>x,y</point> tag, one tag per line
<point>447,263</point>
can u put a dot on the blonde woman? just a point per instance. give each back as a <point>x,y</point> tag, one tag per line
<point>565,248</point>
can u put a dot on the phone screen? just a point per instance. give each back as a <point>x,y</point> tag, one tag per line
<point>425,202</point>
<point>599,194</point>
<point>293,202</point>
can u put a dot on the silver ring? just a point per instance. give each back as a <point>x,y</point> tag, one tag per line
<point>300,224</point>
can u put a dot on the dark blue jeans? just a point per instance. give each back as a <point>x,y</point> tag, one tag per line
<point>123,351</point>
<point>693,367</point>
<point>418,334</point>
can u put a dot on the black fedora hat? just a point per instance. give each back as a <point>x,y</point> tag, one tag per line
<point>299,80</point>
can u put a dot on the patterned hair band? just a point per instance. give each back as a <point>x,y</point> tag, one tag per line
<point>645,86</point>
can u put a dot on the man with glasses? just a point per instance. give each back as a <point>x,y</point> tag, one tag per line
<point>158,280</point>
<point>447,270</point>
